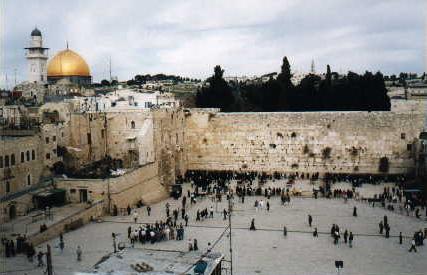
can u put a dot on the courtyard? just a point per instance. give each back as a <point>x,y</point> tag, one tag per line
<point>264,251</point>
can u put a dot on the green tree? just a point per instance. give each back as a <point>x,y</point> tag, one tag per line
<point>217,94</point>
<point>105,82</point>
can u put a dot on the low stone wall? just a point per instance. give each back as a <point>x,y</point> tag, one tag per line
<point>142,184</point>
<point>92,212</point>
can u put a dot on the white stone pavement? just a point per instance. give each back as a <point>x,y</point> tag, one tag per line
<point>262,252</point>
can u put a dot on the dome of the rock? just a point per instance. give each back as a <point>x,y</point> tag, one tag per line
<point>68,64</point>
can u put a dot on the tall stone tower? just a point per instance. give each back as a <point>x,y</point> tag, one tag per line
<point>37,58</point>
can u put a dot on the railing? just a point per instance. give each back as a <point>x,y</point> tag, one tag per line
<point>25,191</point>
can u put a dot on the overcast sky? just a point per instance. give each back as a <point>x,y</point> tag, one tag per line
<point>245,37</point>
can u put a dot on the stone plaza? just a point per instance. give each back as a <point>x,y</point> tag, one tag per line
<point>264,251</point>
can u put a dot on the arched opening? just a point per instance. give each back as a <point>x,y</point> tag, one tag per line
<point>132,124</point>
<point>12,211</point>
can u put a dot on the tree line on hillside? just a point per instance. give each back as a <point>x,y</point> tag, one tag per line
<point>351,92</point>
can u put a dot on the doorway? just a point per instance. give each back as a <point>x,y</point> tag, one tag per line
<point>83,195</point>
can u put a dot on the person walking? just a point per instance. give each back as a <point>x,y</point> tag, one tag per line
<point>310,220</point>
<point>345,236</point>
<point>148,210</point>
<point>355,211</point>
<point>225,214</point>
<point>400,238</point>
<point>252,227</point>
<point>413,247</point>
<point>61,242</point>
<point>285,231</point>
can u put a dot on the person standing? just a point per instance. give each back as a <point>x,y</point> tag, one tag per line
<point>211,211</point>
<point>135,216</point>
<point>268,206</point>
<point>381,226</point>
<point>387,231</point>
<point>186,219</point>
<point>40,262</point>
<point>61,243</point>
<point>148,210</point>
<point>285,231</point>
<point>354,211</point>
<point>345,236</point>
<point>310,220</point>
<point>350,239</point>
<point>315,234</point>
<point>400,238</point>
<point>79,253</point>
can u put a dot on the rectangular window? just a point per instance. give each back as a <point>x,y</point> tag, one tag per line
<point>33,154</point>
<point>54,138</point>
<point>89,138</point>
<point>28,155</point>
<point>47,140</point>
<point>12,160</point>
<point>7,187</point>
<point>48,156</point>
<point>1,161</point>
<point>6,161</point>
<point>402,135</point>
<point>28,179</point>
<point>22,157</point>
<point>409,147</point>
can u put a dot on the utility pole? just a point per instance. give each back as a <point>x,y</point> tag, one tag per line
<point>49,261</point>
<point>229,236</point>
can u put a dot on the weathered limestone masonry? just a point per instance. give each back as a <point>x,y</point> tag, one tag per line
<point>140,184</point>
<point>169,143</point>
<point>310,142</point>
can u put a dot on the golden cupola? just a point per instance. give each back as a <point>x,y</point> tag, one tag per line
<point>70,65</point>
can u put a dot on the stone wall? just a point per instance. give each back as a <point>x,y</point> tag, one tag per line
<point>141,184</point>
<point>310,142</point>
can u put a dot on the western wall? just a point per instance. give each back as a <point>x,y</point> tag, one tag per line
<point>304,142</point>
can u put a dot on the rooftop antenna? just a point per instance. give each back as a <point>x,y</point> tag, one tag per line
<point>110,69</point>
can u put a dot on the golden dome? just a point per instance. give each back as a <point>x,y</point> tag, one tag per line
<point>67,63</point>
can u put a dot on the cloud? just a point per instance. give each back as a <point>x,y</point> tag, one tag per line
<point>244,36</point>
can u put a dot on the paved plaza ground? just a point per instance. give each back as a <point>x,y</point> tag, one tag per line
<point>266,250</point>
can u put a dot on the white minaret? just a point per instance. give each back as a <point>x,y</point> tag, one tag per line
<point>37,58</point>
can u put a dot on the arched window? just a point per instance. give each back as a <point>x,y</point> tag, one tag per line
<point>28,155</point>
<point>22,157</point>
<point>132,124</point>
<point>28,179</point>
<point>12,160</point>
<point>33,155</point>
<point>6,161</point>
